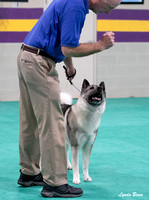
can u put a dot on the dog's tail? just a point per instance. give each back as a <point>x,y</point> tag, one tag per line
<point>66,98</point>
<point>66,101</point>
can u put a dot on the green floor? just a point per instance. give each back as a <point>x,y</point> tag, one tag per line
<point>119,162</point>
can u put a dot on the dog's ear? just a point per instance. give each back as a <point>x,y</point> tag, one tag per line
<point>85,84</point>
<point>102,85</point>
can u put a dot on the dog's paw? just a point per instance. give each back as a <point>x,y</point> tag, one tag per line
<point>76,181</point>
<point>87,179</point>
<point>69,167</point>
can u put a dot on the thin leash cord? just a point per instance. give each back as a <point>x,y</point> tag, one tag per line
<point>74,86</point>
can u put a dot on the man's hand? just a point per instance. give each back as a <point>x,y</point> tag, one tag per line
<point>107,40</point>
<point>70,73</point>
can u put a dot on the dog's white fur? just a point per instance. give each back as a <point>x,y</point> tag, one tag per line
<point>88,120</point>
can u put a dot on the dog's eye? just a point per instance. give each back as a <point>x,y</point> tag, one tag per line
<point>91,88</point>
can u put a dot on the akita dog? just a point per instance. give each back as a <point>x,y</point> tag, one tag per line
<point>82,121</point>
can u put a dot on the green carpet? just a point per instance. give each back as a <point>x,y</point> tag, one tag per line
<point>119,163</point>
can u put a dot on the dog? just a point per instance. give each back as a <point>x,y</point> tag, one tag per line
<point>82,121</point>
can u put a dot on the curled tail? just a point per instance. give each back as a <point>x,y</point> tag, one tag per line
<point>66,101</point>
<point>66,98</point>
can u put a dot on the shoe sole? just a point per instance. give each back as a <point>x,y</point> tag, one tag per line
<point>55,194</point>
<point>30,183</point>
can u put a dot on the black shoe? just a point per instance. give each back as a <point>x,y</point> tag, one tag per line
<point>61,191</point>
<point>28,181</point>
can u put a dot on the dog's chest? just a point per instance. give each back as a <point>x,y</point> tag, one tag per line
<point>84,139</point>
<point>88,121</point>
<point>87,126</point>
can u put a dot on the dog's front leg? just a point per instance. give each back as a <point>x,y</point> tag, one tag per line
<point>75,165</point>
<point>69,167</point>
<point>86,152</point>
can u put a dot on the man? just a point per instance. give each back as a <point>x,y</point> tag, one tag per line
<point>54,38</point>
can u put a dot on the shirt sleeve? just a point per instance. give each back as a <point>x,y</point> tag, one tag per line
<point>71,27</point>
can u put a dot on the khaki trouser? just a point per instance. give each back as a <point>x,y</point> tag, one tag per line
<point>42,132</point>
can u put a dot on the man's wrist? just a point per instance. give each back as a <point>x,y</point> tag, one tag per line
<point>100,46</point>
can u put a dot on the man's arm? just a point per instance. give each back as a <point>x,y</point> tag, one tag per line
<point>85,49</point>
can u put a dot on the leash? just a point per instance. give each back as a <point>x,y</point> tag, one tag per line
<point>74,86</point>
<point>70,77</point>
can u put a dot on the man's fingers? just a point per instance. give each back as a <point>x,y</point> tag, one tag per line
<point>70,73</point>
<point>107,40</point>
<point>109,33</point>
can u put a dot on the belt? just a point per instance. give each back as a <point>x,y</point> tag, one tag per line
<point>37,51</point>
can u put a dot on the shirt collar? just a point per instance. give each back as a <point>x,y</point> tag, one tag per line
<point>86,6</point>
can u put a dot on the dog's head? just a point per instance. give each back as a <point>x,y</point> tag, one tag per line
<point>94,94</point>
